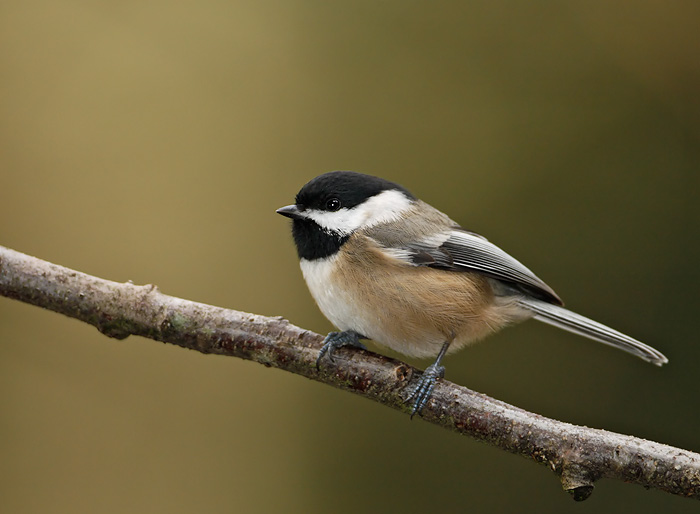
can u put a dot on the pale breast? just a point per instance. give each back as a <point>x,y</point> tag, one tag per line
<point>410,309</point>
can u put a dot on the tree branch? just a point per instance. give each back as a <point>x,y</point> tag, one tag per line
<point>579,455</point>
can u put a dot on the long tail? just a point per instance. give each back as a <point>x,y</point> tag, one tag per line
<point>568,320</point>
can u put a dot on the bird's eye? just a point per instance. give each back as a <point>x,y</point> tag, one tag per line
<point>333,204</point>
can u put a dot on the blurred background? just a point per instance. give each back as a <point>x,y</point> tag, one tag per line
<point>153,141</point>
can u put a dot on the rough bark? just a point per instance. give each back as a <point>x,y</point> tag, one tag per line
<point>578,455</point>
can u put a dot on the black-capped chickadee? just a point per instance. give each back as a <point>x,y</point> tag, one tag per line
<point>383,265</point>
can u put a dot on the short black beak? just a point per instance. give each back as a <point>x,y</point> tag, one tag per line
<point>291,211</point>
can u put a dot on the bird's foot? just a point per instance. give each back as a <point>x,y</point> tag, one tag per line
<point>420,391</point>
<point>336,340</point>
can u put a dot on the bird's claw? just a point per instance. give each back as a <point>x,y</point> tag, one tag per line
<point>336,340</point>
<point>422,389</point>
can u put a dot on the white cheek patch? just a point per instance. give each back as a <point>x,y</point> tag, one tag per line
<point>382,208</point>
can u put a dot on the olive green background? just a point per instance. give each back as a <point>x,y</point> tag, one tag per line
<point>152,141</point>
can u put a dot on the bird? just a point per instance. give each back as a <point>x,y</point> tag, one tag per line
<point>383,265</point>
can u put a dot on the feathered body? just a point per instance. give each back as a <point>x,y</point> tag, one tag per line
<point>411,309</point>
<point>382,264</point>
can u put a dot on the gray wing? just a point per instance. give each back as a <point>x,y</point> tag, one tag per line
<point>461,250</point>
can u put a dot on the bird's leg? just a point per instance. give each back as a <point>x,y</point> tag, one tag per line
<point>336,340</point>
<point>420,391</point>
